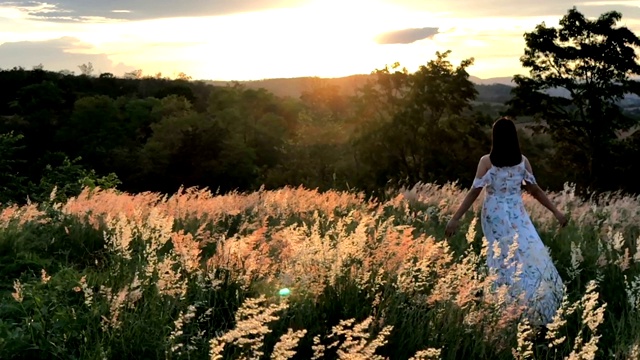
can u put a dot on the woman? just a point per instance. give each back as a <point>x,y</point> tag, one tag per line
<point>505,221</point>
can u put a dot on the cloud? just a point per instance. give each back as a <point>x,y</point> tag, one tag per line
<point>92,10</point>
<point>65,53</point>
<point>406,36</point>
<point>510,8</point>
<point>597,8</point>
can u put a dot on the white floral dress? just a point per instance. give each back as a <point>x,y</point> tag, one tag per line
<point>516,252</point>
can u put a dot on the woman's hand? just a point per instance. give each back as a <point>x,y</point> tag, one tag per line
<point>562,219</point>
<point>452,226</point>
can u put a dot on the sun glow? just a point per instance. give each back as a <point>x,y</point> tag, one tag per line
<point>326,38</point>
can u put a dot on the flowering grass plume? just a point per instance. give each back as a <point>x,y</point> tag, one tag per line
<point>196,275</point>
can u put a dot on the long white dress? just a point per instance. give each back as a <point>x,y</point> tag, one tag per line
<point>528,269</point>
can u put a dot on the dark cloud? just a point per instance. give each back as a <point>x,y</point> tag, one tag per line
<point>510,8</point>
<point>85,10</point>
<point>89,10</point>
<point>406,36</point>
<point>56,55</point>
<point>628,12</point>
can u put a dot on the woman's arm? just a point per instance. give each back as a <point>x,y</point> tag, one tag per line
<point>453,224</point>
<point>542,198</point>
<point>471,197</point>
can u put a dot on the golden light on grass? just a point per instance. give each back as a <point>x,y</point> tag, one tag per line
<point>160,254</point>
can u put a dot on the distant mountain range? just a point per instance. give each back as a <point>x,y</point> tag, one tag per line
<point>508,80</point>
<point>495,91</point>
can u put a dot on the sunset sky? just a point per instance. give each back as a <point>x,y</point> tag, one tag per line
<point>248,40</point>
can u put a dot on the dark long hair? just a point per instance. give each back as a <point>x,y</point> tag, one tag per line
<point>505,147</point>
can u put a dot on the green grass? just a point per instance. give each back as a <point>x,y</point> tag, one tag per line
<point>53,320</point>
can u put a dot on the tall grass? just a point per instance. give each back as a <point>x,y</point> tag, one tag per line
<point>109,275</point>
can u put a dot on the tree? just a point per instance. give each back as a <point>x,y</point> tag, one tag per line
<point>93,130</point>
<point>68,178</point>
<point>256,128</point>
<point>86,69</point>
<point>325,97</point>
<point>425,132</point>
<point>135,74</point>
<point>381,98</point>
<point>11,181</point>
<point>190,149</point>
<point>578,73</point>
<point>40,108</point>
<point>182,76</point>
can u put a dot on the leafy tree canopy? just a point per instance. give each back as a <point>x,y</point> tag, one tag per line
<point>578,74</point>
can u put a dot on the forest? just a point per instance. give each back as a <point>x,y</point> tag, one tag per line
<point>393,129</point>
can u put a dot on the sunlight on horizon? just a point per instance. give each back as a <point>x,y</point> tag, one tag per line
<point>325,38</point>
<point>311,40</point>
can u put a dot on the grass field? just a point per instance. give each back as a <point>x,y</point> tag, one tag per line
<point>198,276</point>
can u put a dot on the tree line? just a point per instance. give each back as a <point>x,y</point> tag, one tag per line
<point>153,134</point>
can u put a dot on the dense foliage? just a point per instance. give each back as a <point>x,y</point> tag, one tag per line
<point>589,65</point>
<point>394,128</point>
<point>159,134</point>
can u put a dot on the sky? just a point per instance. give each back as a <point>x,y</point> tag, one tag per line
<point>260,39</point>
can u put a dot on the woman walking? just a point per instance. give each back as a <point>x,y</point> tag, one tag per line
<point>526,269</point>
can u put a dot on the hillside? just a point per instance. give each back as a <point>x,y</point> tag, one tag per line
<point>494,91</point>
<point>294,87</point>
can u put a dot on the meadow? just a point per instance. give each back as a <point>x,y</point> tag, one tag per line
<point>301,274</point>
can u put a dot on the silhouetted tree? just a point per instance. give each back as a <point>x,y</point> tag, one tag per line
<point>11,181</point>
<point>186,149</point>
<point>68,177</point>
<point>424,132</point>
<point>182,76</point>
<point>86,69</point>
<point>578,74</point>
<point>135,74</point>
<point>38,111</point>
<point>93,131</point>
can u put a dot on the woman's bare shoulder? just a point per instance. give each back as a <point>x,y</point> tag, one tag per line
<point>483,166</point>
<point>485,161</point>
<point>527,164</point>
